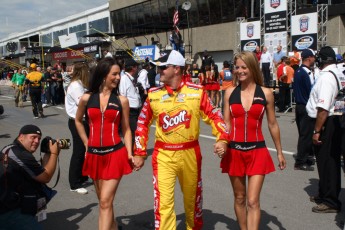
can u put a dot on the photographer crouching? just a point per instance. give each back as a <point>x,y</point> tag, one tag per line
<point>23,192</point>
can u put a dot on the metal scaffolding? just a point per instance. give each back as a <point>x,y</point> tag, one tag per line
<point>239,20</point>
<point>322,14</point>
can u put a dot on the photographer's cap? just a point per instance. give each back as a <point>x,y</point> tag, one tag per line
<point>170,58</point>
<point>30,129</point>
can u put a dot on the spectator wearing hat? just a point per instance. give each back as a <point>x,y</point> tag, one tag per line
<point>22,178</point>
<point>327,132</point>
<point>303,81</point>
<point>34,84</point>
<point>128,88</point>
<point>177,108</point>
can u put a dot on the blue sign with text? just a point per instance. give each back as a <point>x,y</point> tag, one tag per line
<point>143,52</point>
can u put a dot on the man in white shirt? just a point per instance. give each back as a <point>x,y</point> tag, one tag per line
<point>107,54</point>
<point>327,132</point>
<point>129,89</point>
<point>266,65</point>
<point>144,80</point>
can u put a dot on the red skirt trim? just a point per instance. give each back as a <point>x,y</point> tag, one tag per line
<point>105,167</point>
<point>252,162</point>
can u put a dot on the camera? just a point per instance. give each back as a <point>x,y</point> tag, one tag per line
<point>63,144</point>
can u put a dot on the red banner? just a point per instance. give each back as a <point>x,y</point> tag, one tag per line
<point>68,54</point>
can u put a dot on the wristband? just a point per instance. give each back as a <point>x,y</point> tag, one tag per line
<point>142,156</point>
<point>223,141</point>
<point>316,132</point>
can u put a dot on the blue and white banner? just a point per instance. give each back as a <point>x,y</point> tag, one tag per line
<point>250,33</point>
<point>304,31</point>
<point>140,53</point>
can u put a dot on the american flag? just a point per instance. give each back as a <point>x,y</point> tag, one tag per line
<point>176,18</point>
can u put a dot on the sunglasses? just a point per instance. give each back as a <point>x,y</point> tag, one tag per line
<point>164,67</point>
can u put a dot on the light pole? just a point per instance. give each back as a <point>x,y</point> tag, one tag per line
<point>186,6</point>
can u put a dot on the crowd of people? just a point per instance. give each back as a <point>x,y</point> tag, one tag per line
<point>111,106</point>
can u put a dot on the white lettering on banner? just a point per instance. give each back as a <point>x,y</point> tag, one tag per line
<point>144,51</point>
<point>89,49</point>
<point>61,55</point>
<point>68,54</point>
<point>172,121</point>
<point>75,53</point>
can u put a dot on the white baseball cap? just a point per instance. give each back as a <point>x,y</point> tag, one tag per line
<point>172,57</point>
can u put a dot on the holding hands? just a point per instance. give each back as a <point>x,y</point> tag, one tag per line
<point>138,162</point>
<point>220,148</point>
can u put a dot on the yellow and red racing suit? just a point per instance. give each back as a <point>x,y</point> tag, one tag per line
<point>177,151</point>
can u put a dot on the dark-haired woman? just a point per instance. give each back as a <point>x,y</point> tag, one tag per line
<point>107,159</point>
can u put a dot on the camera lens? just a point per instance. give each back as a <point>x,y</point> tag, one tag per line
<point>65,143</point>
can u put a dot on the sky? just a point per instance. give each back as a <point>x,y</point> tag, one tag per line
<point>22,15</point>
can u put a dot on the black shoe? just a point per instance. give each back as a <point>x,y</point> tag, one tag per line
<point>315,199</point>
<point>42,115</point>
<point>304,167</point>
<point>310,162</point>
<point>323,208</point>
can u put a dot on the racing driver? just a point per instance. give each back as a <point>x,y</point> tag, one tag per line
<point>177,107</point>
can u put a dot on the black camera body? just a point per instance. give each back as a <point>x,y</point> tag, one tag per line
<point>63,144</point>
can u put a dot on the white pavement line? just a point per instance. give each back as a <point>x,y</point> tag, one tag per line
<point>8,97</point>
<point>213,138</point>
<point>59,107</point>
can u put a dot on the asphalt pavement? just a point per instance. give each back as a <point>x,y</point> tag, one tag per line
<point>284,198</point>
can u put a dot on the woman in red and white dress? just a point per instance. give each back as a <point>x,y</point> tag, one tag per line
<point>248,159</point>
<point>107,158</point>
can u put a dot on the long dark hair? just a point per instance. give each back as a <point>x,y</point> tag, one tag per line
<point>100,73</point>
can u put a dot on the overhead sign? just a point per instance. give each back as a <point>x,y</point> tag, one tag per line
<point>272,6</point>
<point>275,25</point>
<point>68,40</point>
<point>250,35</point>
<point>90,49</point>
<point>143,52</point>
<point>68,54</point>
<point>304,31</point>
<point>275,22</point>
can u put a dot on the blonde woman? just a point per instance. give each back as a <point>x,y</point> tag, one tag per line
<point>248,159</point>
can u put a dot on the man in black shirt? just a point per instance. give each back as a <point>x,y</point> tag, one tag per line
<point>195,74</point>
<point>151,75</point>
<point>207,60</point>
<point>22,177</point>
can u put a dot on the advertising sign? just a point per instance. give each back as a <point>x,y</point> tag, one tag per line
<point>68,54</point>
<point>140,53</point>
<point>250,35</point>
<point>304,31</point>
<point>90,49</point>
<point>275,22</point>
<point>68,40</point>
<point>272,6</point>
<point>275,25</point>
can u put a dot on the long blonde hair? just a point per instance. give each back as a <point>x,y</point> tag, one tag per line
<point>252,64</point>
<point>81,72</point>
